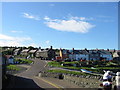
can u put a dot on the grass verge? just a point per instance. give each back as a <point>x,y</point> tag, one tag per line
<point>13,67</point>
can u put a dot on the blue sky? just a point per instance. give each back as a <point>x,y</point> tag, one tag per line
<point>60,24</point>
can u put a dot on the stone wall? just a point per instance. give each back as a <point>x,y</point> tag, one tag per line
<point>82,81</point>
<point>48,74</point>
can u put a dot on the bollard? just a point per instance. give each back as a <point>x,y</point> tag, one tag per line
<point>117,81</point>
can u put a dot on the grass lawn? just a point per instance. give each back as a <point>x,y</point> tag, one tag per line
<point>97,69</point>
<point>13,67</point>
<point>24,61</point>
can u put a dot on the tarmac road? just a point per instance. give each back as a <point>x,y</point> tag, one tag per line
<point>30,79</point>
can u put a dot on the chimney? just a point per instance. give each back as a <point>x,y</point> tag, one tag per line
<point>73,49</point>
<point>114,50</point>
<point>50,47</point>
<point>40,48</point>
<point>86,49</point>
<point>60,49</point>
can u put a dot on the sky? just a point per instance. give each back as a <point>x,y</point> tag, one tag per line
<point>67,25</point>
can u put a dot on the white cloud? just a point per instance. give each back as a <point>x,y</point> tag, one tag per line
<point>47,18</point>
<point>15,31</point>
<point>5,37</point>
<point>47,42</point>
<point>12,41</point>
<point>71,25</point>
<point>26,15</point>
<point>82,18</point>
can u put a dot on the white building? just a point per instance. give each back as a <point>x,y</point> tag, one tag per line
<point>79,54</point>
<point>107,55</point>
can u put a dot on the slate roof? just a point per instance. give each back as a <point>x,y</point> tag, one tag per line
<point>25,50</point>
<point>32,51</point>
<point>105,52</point>
<point>42,50</point>
<point>16,50</point>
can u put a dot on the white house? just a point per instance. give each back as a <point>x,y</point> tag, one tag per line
<point>82,56</point>
<point>72,56</point>
<point>107,55</point>
<point>79,54</point>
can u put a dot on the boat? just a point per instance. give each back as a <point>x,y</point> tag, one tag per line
<point>86,71</point>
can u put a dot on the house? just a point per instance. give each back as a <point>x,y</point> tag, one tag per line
<point>32,53</point>
<point>63,54</point>
<point>116,55</point>
<point>17,51</point>
<point>57,52</point>
<point>111,50</point>
<point>9,59</point>
<point>46,53</point>
<point>94,55</point>
<point>71,54</point>
<point>78,54</point>
<point>25,52</point>
<point>105,55</point>
<point>82,55</point>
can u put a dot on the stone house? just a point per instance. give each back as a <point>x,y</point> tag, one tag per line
<point>17,51</point>
<point>47,54</point>
<point>32,53</point>
<point>25,52</point>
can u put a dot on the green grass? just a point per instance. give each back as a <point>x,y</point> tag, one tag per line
<point>75,62</point>
<point>13,67</point>
<point>24,61</point>
<point>98,69</point>
<point>108,67</point>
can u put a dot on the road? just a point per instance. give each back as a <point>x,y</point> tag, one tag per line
<point>30,79</point>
